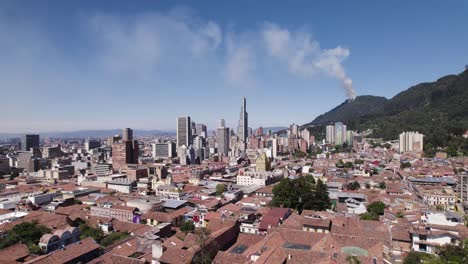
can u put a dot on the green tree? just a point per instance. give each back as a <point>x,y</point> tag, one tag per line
<point>354,186</point>
<point>404,165</point>
<point>113,238</point>
<point>367,185</point>
<point>418,258</point>
<point>382,185</point>
<point>27,233</point>
<point>187,226</point>
<point>369,216</point>
<point>220,189</point>
<point>353,260</point>
<point>301,193</point>
<point>87,231</point>
<point>376,208</point>
<point>319,199</point>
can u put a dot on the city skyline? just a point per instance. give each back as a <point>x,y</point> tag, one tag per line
<point>125,52</point>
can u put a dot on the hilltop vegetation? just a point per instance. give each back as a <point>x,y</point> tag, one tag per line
<point>438,109</point>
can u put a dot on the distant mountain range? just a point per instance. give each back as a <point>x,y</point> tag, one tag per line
<point>93,133</point>
<point>110,132</point>
<point>437,109</point>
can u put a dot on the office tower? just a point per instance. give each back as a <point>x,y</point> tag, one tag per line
<point>127,134</point>
<point>242,129</point>
<point>193,128</point>
<point>201,130</point>
<point>330,134</point>
<point>350,137</point>
<point>184,131</point>
<point>113,139</point>
<point>125,152</point>
<point>29,141</point>
<point>223,138</point>
<point>293,130</point>
<point>274,147</point>
<point>92,144</point>
<point>164,150</point>
<point>411,141</point>
<point>340,133</point>
<point>199,144</point>
<point>305,134</point>
<point>250,132</point>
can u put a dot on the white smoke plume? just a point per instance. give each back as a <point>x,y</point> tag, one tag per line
<point>305,57</point>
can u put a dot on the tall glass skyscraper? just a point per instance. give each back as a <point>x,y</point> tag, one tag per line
<point>184,131</point>
<point>242,128</point>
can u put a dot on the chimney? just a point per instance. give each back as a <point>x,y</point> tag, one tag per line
<point>289,256</point>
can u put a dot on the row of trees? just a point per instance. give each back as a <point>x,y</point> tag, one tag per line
<point>301,193</point>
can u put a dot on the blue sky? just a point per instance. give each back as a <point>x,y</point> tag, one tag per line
<point>108,64</point>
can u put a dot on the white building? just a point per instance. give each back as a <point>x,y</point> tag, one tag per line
<point>411,141</point>
<point>262,178</point>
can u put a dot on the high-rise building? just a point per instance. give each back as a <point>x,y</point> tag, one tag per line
<point>293,130</point>
<point>330,134</point>
<point>201,130</point>
<point>274,147</point>
<point>92,144</point>
<point>411,141</point>
<point>127,134</point>
<point>184,131</point>
<point>125,152</point>
<point>242,128</point>
<point>223,138</point>
<point>29,141</point>
<point>340,133</point>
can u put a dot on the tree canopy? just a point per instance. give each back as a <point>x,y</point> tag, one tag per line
<point>301,193</point>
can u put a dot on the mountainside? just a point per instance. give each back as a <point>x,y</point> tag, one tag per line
<point>437,109</point>
<point>361,106</point>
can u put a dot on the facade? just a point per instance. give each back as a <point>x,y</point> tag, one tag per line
<point>330,134</point>
<point>122,185</point>
<point>223,139</point>
<point>164,150</point>
<point>261,178</point>
<point>184,131</point>
<point>263,163</point>
<point>340,133</point>
<point>243,127</point>
<point>92,144</point>
<point>119,212</point>
<point>411,141</point>
<point>51,152</point>
<point>125,152</point>
<point>127,134</point>
<point>29,141</point>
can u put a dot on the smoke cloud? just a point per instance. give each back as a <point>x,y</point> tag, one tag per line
<point>304,56</point>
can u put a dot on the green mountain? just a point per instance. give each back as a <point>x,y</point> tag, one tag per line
<point>437,109</point>
<point>361,106</point>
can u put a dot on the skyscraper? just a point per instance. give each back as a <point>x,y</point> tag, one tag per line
<point>330,134</point>
<point>242,129</point>
<point>223,138</point>
<point>29,141</point>
<point>201,130</point>
<point>127,134</point>
<point>184,131</point>
<point>340,133</point>
<point>125,152</point>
